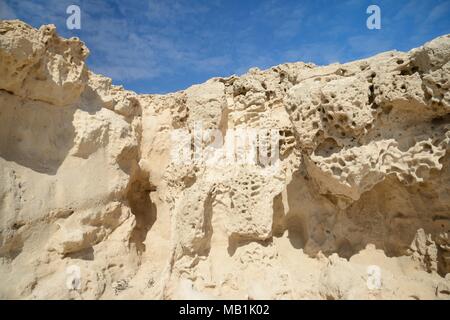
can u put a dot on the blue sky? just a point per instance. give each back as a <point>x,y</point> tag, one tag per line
<point>159,46</point>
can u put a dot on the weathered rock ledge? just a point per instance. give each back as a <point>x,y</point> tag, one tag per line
<point>355,202</point>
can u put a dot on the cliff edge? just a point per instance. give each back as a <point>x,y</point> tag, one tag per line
<point>296,182</point>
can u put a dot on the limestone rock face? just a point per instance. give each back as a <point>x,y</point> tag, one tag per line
<point>296,182</point>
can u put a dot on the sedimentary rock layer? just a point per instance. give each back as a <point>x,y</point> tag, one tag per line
<point>339,189</point>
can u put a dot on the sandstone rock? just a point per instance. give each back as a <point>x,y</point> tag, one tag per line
<point>299,182</point>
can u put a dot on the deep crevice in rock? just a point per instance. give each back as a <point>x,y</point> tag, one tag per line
<point>144,210</point>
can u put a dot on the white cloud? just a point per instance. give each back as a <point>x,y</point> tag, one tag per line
<point>286,20</point>
<point>440,11</point>
<point>170,10</point>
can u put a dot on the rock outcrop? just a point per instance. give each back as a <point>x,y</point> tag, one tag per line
<point>300,181</point>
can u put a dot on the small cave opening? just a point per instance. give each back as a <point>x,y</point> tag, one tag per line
<point>143,208</point>
<point>327,148</point>
<point>293,222</point>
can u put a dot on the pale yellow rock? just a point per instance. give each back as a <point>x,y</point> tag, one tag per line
<point>352,203</point>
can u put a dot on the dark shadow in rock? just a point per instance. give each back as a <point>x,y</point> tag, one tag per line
<point>35,135</point>
<point>12,245</point>
<point>85,254</point>
<point>292,221</point>
<point>296,229</point>
<point>236,241</point>
<point>204,246</point>
<point>387,216</point>
<point>327,148</point>
<point>90,101</point>
<point>279,221</point>
<point>143,208</point>
<point>390,214</point>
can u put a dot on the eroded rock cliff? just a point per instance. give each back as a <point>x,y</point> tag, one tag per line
<point>299,181</point>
